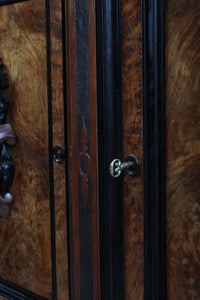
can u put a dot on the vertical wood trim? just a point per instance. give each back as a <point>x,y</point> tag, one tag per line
<point>83,152</point>
<point>51,175</point>
<point>74,201</point>
<point>111,210</point>
<point>154,150</point>
<point>58,137</point>
<point>93,147</point>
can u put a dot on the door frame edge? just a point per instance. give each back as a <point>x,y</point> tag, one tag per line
<point>109,99</point>
<point>153,39</point>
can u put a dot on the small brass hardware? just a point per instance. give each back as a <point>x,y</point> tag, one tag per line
<point>130,165</point>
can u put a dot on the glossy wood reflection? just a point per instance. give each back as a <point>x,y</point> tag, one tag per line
<point>25,241</point>
<point>132,141</point>
<point>183,148</point>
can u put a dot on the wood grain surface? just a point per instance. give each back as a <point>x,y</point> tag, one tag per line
<point>59,139</point>
<point>183,149</point>
<point>132,141</point>
<point>72,157</point>
<point>94,149</point>
<point>82,150</point>
<point>25,240</point>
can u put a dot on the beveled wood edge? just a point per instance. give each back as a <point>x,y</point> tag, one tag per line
<point>109,99</point>
<point>94,147</point>
<point>79,147</point>
<point>8,2</point>
<point>13,292</point>
<point>74,242</point>
<point>153,39</point>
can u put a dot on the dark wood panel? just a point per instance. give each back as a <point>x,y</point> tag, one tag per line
<point>132,141</point>
<point>183,148</point>
<point>58,132</point>
<point>153,50</point>
<point>93,148</point>
<point>111,208</point>
<point>25,239</point>
<point>72,154</point>
<point>82,149</point>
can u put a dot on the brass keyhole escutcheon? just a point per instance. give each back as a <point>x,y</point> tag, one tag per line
<point>130,165</point>
<point>58,154</point>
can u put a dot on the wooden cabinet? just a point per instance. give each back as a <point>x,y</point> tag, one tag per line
<point>91,81</point>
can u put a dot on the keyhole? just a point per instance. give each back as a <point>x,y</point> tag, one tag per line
<point>58,154</point>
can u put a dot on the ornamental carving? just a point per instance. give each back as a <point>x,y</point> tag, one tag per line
<point>7,138</point>
<point>84,163</point>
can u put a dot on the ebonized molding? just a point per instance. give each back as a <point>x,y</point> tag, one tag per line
<point>109,83</point>
<point>154,150</point>
<point>12,292</point>
<point>82,149</point>
<point>7,2</point>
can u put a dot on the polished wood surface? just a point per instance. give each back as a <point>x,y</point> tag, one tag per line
<point>94,148</point>
<point>25,240</point>
<point>72,156</point>
<point>132,141</point>
<point>82,150</point>
<point>58,128</point>
<point>183,148</point>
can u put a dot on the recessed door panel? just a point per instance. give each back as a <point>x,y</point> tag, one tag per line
<point>25,238</point>
<point>183,148</point>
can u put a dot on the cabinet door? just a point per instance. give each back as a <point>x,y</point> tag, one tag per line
<point>78,85</point>
<point>183,148</point>
<point>171,135</point>
<point>33,239</point>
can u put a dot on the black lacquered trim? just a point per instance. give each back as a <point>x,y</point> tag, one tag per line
<point>109,85</point>
<point>154,150</point>
<point>7,2</point>
<point>13,292</point>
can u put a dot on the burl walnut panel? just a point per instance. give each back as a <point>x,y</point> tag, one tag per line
<point>132,141</point>
<point>25,241</point>
<point>183,148</point>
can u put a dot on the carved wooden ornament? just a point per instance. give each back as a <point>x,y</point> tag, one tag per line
<point>7,138</point>
<point>84,163</point>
